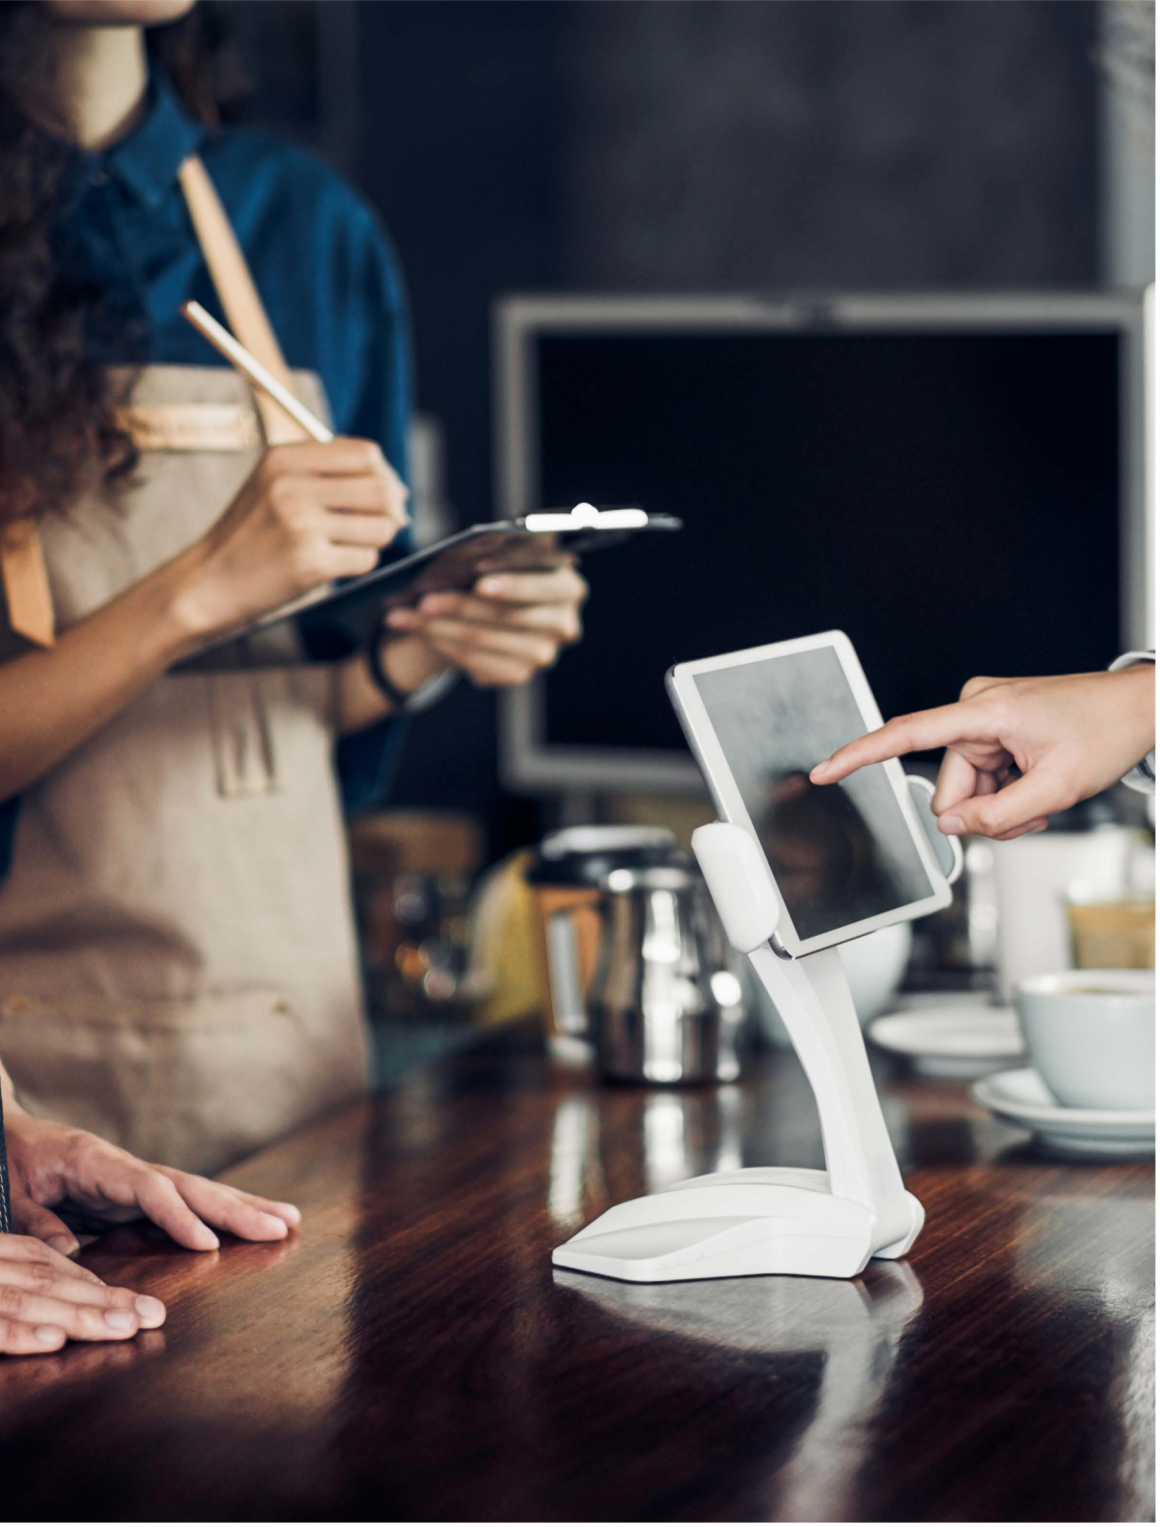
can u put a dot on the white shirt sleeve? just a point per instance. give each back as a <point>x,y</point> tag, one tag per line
<point>1143,776</point>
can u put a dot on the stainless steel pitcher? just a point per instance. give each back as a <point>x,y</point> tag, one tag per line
<point>667,1003</point>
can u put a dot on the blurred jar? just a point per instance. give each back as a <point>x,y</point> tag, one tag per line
<point>412,873</point>
<point>667,1003</point>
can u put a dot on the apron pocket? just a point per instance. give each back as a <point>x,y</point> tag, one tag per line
<point>194,1084</point>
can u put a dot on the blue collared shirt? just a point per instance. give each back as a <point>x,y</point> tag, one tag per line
<point>325,271</point>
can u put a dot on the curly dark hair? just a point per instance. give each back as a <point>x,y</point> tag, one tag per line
<point>58,409</point>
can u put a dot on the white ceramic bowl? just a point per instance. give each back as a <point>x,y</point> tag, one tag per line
<point>1091,1035</point>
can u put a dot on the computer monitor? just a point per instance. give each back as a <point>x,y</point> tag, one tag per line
<point>956,481</point>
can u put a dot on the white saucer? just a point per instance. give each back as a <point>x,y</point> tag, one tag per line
<point>952,1042</point>
<point>1022,1097</point>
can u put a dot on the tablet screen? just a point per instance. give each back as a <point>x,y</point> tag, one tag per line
<point>840,853</point>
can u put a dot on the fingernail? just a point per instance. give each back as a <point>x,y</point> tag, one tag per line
<point>819,772</point>
<point>151,1311</point>
<point>120,1320</point>
<point>494,586</point>
<point>292,1213</point>
<point>64,1244</point>
<point>951,826</point>
<point>400,618</point>
<point>49,1336</point>
<point>274,1226</point>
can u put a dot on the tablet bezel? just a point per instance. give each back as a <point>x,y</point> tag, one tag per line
<point>714,766</point>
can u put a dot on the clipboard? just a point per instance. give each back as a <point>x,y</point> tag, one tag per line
<point>350,616</point>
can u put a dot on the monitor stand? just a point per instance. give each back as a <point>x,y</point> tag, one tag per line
<point>825,1224</point>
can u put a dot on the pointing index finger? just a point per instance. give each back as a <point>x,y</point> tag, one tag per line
<point>937,728</point>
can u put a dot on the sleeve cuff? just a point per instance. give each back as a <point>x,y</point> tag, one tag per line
<point>1143,776</point>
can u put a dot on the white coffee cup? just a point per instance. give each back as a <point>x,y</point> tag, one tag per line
<point>1091,1035</point>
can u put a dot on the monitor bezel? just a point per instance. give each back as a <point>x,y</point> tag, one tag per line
<point>528,762</point>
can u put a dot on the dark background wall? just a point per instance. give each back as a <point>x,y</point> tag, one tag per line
<point>699,145</point>
<point>891,143</point>
<point>465,161</point>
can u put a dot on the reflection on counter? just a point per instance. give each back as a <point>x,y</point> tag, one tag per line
<point>675,1135</point>
<point>855,1331</point>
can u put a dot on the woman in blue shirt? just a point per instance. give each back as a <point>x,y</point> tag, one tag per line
<point>177,967</point>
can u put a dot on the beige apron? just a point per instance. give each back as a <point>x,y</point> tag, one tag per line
<point>177,957</point>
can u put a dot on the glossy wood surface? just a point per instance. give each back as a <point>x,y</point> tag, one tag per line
<point>410,1353</point>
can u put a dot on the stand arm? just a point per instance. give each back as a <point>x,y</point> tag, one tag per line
<point>814,1001</point>
<point>813,998</point>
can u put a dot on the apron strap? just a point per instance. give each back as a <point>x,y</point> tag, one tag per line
<point>247,317</point>
<point>26,589</point>
<point>237,294</point>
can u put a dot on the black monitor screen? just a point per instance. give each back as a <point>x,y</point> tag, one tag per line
<point>950,500</point>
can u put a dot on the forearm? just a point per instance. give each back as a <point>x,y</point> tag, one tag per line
<point>53,700</point>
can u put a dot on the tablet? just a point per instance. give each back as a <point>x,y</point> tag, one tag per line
<point>331,626</point>
<point>847,858</point>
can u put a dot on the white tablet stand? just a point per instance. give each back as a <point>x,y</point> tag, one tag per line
<point>772,1219</point>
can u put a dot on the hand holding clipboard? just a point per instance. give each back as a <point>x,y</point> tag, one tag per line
<point>351,615</point>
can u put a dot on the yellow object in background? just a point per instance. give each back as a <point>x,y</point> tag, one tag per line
<point>506,974</point>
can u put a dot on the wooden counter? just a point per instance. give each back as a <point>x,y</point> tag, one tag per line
<point>411,1355</point>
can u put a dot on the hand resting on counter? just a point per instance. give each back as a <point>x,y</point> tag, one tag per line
<point>52,1164</point>
<point>45,1299</point>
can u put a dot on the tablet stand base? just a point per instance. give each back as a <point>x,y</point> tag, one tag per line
<point>772,1219</point>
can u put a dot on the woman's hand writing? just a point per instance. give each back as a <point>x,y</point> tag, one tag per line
<point>307,514</point>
